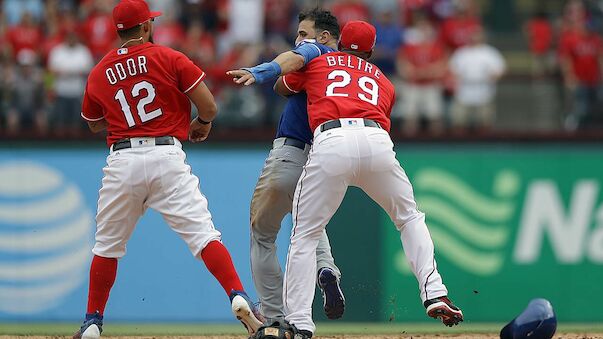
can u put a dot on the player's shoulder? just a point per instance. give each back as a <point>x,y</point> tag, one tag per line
<point>163,49</point>
<point>326,60</point>
<point>159,51</point>
<point>332,54</point>
<point>323,49</point>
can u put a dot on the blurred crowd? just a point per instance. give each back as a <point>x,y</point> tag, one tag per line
<point>437,52</point>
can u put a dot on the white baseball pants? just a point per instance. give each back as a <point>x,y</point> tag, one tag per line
<point>272,200</point>
<point>150,176</point>
<point>358,156</point>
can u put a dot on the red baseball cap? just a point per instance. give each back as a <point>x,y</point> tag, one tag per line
<point>358,36</point>
<point>129,13</point>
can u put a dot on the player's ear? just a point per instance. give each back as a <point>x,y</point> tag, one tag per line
<point>323,37</point>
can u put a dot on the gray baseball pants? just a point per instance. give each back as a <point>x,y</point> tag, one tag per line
<point>272,200</point>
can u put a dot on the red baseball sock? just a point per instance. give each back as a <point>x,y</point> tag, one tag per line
<point>102,277</point>
<point>219,263</point>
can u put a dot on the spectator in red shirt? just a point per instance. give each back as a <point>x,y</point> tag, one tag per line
<point>280,14</point>
<point>169,32</point>
<point>54,36</point>
<point>422,64</point>
<point>458,30</point>
<point>240,55</point>
<point>350,10</point>
<point>25,35</point>
<point>409,8</point>
<point>99,31</point>
<point>539,33</point>
<point>581,58</point>
<point>199,46</point>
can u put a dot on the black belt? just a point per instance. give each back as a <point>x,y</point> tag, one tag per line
<point>295,143</point>
<point>337,123</point>
<point>126,143</point>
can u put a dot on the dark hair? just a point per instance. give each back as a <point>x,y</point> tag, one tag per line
<point>323,20</point>
<point>130,32</point>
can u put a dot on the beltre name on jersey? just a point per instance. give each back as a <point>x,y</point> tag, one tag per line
<point>354,62</point>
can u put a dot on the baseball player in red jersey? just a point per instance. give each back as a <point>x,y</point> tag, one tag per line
<point>140,93</point>
<point>349,106</point>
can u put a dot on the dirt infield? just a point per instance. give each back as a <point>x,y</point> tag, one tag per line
<point>401,336</point>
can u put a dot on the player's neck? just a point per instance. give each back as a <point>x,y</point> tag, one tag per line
<point>132,42</point>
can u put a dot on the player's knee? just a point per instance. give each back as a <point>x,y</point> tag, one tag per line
<point>412,220</point>
<point>268,213</point>
<point>264,228</point>
<point>106,250</point>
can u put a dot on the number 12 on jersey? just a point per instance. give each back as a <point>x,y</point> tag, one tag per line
<point>367,85</point>
<point>145,116</point>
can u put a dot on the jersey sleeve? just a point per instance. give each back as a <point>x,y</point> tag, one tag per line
<point>295,82</point>
<point>188,74</point>
<point>308,50</point>
<point>91,110</point>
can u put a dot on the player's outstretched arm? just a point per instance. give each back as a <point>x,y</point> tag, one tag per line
<point>207,108</point>
<point>284,63</point>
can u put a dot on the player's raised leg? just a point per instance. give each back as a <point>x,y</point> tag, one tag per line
<point>186,211</point>
<point>389,186</point>
<point>319,193</point>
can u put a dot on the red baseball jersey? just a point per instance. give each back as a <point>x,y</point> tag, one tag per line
<point>141,92</point>
<point>540,35</point>
<point>341,85</point>
<point>457,32</point>
<point>583,51</point>
<point>422,56</point>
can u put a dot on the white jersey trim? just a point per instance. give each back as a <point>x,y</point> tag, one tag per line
<point>195,83</point>
<point>286,85</point>
<point>89,119</point>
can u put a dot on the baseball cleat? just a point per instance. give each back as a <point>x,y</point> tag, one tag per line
<point>332,296</point>
<point>92,327</point>
<point>303,334</point>
<point>245,311</point>
<point>442,308</point>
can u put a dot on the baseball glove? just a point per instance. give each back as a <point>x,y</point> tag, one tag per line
<point>280,329</point>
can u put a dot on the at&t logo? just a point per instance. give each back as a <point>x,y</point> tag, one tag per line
<point>44,237</point>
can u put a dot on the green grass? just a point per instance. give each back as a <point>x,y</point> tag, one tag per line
<point>334,328</point>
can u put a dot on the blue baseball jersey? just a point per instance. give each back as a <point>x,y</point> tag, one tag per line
<point>294,118</point>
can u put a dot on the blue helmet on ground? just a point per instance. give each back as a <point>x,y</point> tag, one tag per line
<point>537,321</point>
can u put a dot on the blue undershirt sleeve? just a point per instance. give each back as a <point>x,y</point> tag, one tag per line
<point>309,51</point>
<point>265,72</point>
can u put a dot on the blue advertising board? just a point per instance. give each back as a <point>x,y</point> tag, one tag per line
<point>47,205</point>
